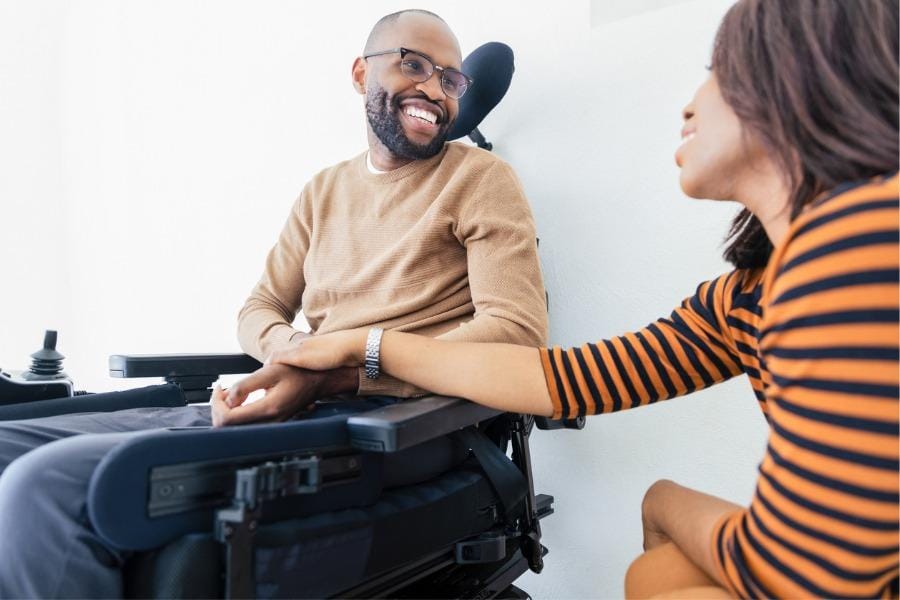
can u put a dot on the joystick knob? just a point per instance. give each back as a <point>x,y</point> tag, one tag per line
<point>46,363</point>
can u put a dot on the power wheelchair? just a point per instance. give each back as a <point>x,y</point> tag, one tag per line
<point>365,498</point>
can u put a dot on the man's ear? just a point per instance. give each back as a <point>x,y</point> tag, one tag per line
<point>358,73</point>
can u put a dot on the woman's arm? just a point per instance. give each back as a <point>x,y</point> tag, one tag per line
<point>501,376</point>
<point>670,357</point>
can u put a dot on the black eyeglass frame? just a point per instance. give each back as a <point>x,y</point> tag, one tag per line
<point>442,70</point>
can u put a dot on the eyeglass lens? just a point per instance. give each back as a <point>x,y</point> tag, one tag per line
<point>419,69</point>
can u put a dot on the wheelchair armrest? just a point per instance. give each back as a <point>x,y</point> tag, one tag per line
<point>156,485</point>
<point>180,365</point>
<point>407,424</point>
<point>193,373</point>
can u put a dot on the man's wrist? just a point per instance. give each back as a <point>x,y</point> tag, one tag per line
<point>340,381</point>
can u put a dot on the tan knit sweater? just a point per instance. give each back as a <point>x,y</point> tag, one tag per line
<point>443,247</point>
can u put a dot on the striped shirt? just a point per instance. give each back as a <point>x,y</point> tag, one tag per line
<point>816,333</point>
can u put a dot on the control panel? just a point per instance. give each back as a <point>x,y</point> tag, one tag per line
<point>45,379</point>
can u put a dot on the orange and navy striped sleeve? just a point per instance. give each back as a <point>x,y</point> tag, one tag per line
<point>706,340</point>
<point>824,518</point>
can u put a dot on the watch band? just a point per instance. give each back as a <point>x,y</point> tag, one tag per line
<point>373,353</point>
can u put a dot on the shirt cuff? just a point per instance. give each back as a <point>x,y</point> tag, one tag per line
<point>546,362</point>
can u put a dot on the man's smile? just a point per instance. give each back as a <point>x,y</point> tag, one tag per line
<point>421,116</point>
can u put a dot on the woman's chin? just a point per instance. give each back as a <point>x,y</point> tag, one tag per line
<point>689,185</point>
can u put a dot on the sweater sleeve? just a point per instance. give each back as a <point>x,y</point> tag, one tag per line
<point>264,322</point>
<point>498,232</point>
<point>691,350</point>
<point>823,519</point>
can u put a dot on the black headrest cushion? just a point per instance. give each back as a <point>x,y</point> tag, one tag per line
<point>491,67</point>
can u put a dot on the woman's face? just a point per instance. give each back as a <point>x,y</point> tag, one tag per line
<point>714,155</point>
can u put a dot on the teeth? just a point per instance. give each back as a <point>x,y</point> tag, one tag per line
<point>688,138</point>
<point>421,114</point>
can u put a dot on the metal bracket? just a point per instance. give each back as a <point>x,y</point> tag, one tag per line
<point>488,547</point>
<point>531,527</point>
<point>196,388</point>
<point>476,136</point>
<point>278,479</point>
<point>236,525</point>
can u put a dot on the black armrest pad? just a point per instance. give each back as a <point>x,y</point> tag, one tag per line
<point>180,365</point>
<point>406,424</point>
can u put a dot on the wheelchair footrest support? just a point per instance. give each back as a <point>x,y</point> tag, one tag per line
<point>236,525</point>
<point>531,546</point>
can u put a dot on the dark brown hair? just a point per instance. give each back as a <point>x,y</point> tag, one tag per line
<point>816,82</point>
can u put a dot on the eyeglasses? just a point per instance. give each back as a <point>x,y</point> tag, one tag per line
<point>419,68</point>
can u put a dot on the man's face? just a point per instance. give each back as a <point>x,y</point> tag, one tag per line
<point>411,119</point>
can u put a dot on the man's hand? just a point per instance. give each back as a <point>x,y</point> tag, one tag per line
<point>289,392</point>
<point>326,351</point>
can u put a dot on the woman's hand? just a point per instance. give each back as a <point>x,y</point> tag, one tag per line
<point>326,351</point>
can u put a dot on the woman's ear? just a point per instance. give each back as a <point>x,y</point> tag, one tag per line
<point>358,74</point>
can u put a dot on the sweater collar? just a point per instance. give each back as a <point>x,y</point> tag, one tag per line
<point>397,174</point>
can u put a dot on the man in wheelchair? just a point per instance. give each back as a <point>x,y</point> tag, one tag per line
<point>415,234</point>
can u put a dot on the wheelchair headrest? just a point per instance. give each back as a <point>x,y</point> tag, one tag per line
<point>491,68</point>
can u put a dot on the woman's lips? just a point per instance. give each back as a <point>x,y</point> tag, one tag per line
<point>686,135</point>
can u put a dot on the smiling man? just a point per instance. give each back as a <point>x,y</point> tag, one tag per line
<point>414,234</point>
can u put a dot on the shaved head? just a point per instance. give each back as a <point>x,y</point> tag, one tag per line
<point>389,22</point>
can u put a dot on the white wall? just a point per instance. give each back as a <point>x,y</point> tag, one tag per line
<point>157,147</point>
<point>34,290</point>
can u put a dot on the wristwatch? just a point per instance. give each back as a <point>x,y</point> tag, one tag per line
<point>373,353</point>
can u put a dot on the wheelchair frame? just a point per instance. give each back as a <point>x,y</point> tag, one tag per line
<point>483,567</point>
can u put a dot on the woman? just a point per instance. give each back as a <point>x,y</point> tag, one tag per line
<point>798,123</point>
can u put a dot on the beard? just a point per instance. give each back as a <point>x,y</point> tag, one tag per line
<point>383,113</point>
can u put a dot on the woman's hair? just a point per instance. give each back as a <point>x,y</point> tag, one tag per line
<point>815,81</point>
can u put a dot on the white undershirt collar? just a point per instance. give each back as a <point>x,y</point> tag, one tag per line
<point>370,166</point>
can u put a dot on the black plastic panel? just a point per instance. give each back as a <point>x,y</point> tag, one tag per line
<point>180,365</point>
<point>409,423</point>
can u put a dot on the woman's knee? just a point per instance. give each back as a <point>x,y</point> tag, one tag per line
<point>653,537</point>
<point>663,570</point>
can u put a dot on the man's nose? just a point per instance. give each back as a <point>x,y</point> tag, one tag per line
<point>431,87</point>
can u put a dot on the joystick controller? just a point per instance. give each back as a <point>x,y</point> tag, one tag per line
<point>46,363</point>
<point>43,381</point>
